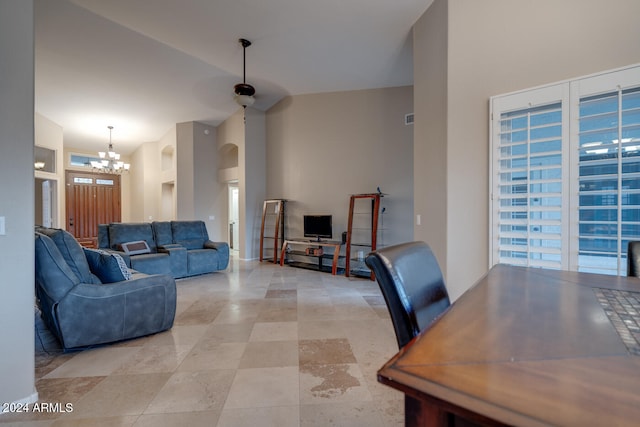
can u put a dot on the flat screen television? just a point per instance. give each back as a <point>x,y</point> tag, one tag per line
<point>318,226</point>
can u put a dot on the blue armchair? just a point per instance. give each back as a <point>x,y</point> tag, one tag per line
<point>81,309</point>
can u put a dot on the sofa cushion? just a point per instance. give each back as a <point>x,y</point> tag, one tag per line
<point>72,253</point>
<point>109,267</point>
<point>103,235</point>
<point>162,232</point>
<point>190,234</point>
<point>192,244</point>
<point>158,263</point>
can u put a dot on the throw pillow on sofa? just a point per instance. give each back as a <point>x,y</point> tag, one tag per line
<point>107,266</point>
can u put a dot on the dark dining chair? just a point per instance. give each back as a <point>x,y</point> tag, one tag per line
<point>412,285</point>
<point>633,259</point>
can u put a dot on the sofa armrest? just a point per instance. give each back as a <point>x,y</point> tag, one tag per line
<point>169,247</point>
<point>138,292</point>
<point>223,252</point>
<point>177,259</point>
<point>138,281</point>
<point>219,246</point>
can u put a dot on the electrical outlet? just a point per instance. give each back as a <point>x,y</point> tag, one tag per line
<point>418,219</point>
<point>2,230</point>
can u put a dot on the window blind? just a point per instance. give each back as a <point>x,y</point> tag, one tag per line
<point>609,179</point>
<point>565,173</point>
<point>530,186</point>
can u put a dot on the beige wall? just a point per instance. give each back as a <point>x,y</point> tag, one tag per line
<point>152,165</point>
<point>49,135</point>
<point>185,191</point>
<point>247,137</point>
<point>210,196</point>
<point>175,178</point>
<point>166,150</point>
<point>252,185</point>
<point>144,194</point>
<point>494,47</point>
<point>230,136</point>
<point>430,133</point>
<point>17,206</point>
<point>322,148</point>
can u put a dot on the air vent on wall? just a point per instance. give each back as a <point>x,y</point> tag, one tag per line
<point>408,119</point>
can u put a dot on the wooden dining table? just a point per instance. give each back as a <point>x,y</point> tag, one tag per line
<point>527,347</point>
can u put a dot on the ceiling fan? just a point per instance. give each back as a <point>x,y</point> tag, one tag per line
<point>244,91</point>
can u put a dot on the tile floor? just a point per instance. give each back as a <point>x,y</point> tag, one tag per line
<point>256,345</point>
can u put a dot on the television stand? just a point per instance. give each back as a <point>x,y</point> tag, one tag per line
<point>312,243</point>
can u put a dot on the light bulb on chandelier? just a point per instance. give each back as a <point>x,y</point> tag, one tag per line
<point>110,160</point>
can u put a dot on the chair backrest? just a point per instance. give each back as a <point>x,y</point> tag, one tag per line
<point>103,236</point>
<point>633,259</point>
<point>72,253</point>
<point>162,232</point>
<point>412,285</point>
<point>190,234</point>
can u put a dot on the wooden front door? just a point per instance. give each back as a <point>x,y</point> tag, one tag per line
<point>92,199</point>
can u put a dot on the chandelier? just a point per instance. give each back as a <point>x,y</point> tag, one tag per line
<point>110,160</point>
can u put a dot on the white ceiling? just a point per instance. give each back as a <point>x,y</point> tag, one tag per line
<point>144,65</point>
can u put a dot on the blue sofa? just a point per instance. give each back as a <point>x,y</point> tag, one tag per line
<point>89,297</point>
<point>177,248</point>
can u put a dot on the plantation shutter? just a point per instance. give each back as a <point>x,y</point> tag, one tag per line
<point>609,179</point>
<point>528,197</point>
<point>565,173</point>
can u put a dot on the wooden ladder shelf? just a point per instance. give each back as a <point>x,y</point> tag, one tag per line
<point>272,228</point>
<point>371,227</point>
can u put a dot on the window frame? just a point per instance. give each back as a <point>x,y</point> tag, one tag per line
<point>568,93</point>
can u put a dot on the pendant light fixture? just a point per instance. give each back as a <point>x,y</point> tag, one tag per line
<point>244,91</point>
<point>110,160</point>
